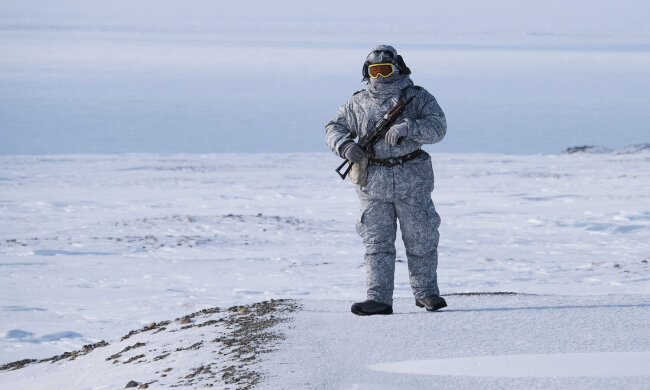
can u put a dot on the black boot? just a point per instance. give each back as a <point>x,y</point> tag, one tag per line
<point>432,303</point>
<point>369,308</point>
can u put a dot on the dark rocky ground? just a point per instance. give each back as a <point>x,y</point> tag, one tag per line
<point>244,333</point>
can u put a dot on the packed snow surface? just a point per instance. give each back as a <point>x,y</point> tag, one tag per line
<point>93,246</point>
<point>477,342</point>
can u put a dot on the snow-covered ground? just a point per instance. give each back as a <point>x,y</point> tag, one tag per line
<point>202,349</point>
<point>478,342</point>
<point>93,246</point>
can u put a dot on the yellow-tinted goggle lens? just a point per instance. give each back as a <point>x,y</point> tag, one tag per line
<point>384,70</point>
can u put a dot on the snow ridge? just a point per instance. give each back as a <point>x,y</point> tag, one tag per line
<point>183,352</point>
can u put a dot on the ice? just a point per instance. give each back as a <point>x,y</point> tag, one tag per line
<point>594,365</point>
<point>95,78</point>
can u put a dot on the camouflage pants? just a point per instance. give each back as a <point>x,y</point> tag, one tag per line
<point>377,225</point>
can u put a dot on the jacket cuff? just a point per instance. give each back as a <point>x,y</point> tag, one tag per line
<point>408,127</point>
<point>344,147</point>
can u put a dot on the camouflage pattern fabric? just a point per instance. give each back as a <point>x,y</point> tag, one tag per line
<point>402,192</point>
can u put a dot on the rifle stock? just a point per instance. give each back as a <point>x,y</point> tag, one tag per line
<point>345,173</point>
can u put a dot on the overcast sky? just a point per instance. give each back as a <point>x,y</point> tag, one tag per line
<point>561,11</point>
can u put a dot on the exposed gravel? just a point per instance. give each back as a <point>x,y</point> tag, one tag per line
<point>244,333</point>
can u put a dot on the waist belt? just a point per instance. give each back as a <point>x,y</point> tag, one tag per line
<point>393,161</point>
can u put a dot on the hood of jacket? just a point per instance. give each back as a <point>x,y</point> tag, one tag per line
<point>380,92</point>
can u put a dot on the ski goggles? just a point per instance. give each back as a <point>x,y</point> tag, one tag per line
<point>384,70</point>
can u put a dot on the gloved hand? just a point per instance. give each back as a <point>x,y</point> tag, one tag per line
<point>353,152</point>
<point>396,132</point>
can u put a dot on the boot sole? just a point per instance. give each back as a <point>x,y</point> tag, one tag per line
<point>436,307</point>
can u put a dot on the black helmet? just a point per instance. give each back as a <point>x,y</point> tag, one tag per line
<point>384,53</point>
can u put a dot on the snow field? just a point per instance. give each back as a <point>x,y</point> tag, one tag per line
<point>93,246</point>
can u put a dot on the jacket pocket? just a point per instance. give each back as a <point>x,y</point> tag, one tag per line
<point>434,217</point>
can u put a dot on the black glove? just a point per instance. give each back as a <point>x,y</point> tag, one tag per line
<point>353,152</point>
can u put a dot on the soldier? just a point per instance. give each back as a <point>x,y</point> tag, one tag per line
<point>398,180</point>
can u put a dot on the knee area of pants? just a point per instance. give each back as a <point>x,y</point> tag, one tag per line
<point>380,250</point>
<point>422,252</point>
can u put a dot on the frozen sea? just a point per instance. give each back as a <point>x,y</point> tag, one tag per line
<point>158,77</point>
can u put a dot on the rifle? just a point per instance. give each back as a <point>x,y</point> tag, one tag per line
<point>378,132</point>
